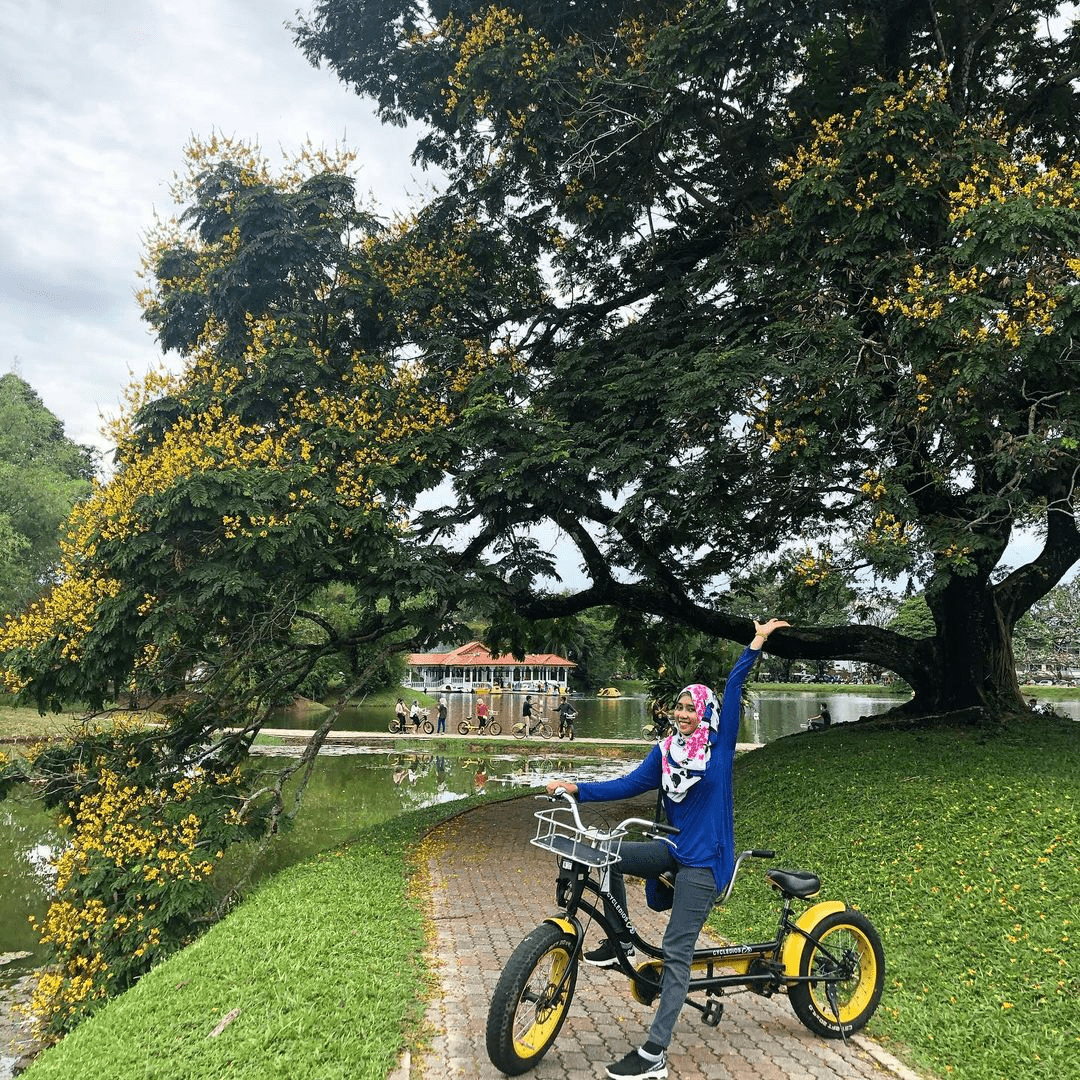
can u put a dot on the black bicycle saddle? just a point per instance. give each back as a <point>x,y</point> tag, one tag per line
<point>798,883</point>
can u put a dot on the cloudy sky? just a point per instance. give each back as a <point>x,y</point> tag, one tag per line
<point>99,100</point>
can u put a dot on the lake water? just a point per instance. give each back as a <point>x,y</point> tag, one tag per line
<point>768,714</point>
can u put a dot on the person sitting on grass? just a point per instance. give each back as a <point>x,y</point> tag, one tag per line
<point>822,720</point>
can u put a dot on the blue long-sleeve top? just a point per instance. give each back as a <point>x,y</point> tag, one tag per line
<point>706,816</point>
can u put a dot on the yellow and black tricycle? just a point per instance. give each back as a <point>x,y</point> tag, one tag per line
<point>828,959</point>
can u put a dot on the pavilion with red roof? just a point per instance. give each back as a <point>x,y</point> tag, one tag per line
<point>470,668</point>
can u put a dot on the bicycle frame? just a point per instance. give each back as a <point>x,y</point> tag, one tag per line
<point>763,967</point>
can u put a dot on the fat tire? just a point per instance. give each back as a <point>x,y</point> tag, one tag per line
<point>519,731</point>
<point>463,728</point>
<point>858,997</point>
<point>428,727</point>
<point>521,1026</point>
<point>494,727</point>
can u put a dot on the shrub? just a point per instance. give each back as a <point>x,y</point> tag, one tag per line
<point>132,884</point>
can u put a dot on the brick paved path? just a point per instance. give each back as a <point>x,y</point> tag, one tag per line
<point>490,887</point>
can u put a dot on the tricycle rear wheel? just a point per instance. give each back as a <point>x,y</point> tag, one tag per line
<point>528,1009</point>
<point>843,941</point>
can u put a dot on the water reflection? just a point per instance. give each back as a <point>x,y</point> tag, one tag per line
<point>772,714</point>
<point>768,714</point>
<point>28,838</point>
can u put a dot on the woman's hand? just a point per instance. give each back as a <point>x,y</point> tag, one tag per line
<point>763,630</point>
<point>565,785</point>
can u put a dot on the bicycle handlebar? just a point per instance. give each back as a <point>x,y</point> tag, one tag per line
<point>562,794</point>
<point>659,826</point>
<point>753,853</point>
<point>644,823</point>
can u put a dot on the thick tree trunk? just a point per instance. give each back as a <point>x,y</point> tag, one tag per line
<point>969,663</point>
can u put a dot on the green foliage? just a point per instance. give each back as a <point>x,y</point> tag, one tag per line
<point>961,847</point>
<point>12,773</point>
<point>42,474</point>
<point>1045,638</point>
<point>913,618</point>
<point>341,607</point>
<point>680,657</point>
<point>132,883</point>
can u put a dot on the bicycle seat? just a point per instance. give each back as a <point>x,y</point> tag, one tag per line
<point>798,883</point>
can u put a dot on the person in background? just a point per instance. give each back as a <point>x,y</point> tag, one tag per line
<point>481,714</point>
<point>659,718</point>
<point>400,712</point>
<point>692,767</point>
<point>526,714</point>
<point>414,715</point>
<point>441,725</point>
<point>822,720</point>
<point>567,716</point>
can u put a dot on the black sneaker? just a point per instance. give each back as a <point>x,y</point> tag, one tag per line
<point>606,956</point>
<point>636,1066</point>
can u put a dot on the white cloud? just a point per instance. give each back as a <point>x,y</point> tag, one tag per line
<point>100,100</point>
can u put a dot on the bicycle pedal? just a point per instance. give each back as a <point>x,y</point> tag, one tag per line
<point>712,1013</point>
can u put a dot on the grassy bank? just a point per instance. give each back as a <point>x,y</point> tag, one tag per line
<point>324,963</point>
<point>23,723</point>
<point>1051,693</point>
<point>870,689</point>
<point>964,850</point>
<point>386,699</point>
<point>18,723</point>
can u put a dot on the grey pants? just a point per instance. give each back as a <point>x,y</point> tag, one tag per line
<point>695,893</point>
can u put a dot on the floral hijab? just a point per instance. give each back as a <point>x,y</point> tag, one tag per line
<point>683,760</point>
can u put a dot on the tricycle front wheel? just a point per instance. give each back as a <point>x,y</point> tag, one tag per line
<point>529,1006</point>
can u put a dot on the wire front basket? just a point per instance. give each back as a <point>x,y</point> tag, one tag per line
<point>558,832</point>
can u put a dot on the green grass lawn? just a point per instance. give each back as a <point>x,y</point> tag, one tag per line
<point>17,722</point>
<point>963,848</point>
<point>870,689</point>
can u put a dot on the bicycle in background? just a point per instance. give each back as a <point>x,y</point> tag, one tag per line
<point>489,727</point>
<point>538,725</point>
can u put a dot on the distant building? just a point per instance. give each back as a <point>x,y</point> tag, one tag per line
<point>471,667</point>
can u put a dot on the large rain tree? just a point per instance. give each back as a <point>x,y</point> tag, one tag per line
<point>811,288</point>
